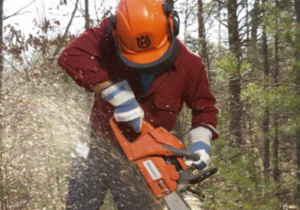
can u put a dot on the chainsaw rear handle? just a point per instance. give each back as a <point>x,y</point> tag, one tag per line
<point>146,127</point>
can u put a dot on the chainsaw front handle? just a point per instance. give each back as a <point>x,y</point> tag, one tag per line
<point>182,153</point>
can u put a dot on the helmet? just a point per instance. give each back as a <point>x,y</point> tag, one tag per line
<point>144,32</point>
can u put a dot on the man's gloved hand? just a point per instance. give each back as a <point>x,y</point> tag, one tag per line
<point>127,109</point>
<point>200,138</point>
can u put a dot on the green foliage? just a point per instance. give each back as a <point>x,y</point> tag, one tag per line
<point>229,66</point>
<point>279,100</point>
<point>239,183</point>
<point>276,19</point>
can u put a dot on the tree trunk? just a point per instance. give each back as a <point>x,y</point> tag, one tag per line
<point>2,190</point>
<point>297,82</point>
<point>89,96</point>
<point>235,107</point>
<point>253,52</point>
<point>185,21</point>
<point>266,120</point>
<point>276,173</point>
<point>254,23</point>
<point>266,159</point>
<point>202,46</point>
<point>219,27</point>
<point>86,14</point>
<point>298,167</point>
<point>201,26</point>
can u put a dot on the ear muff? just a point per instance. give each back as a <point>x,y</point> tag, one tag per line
<point>176,21</point>
<point>112,23</point>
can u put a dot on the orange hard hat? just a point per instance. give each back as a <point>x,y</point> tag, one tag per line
<point>144,32</point>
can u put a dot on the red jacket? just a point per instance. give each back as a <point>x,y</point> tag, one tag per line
<point>91,58</point>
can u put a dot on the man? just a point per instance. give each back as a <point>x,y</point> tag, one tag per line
<point>137,69</point>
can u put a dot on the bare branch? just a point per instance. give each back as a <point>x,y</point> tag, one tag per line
<point>67,29</point>
<point>18,12</point>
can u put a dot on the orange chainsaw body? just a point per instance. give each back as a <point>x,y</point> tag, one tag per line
<point>149,154</point>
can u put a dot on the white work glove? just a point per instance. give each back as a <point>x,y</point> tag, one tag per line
<point>200,138</point>
<point>127,109</point>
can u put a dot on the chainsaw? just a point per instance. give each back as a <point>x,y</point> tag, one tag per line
<point>159,157</point>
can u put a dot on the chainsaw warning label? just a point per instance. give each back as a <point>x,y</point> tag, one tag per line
<point>152,170</point>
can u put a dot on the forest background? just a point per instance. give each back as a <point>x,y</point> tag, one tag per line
<point>251,49</point>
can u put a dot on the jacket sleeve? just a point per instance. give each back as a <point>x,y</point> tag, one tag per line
<point>200,99</point>
<point>82,58</point>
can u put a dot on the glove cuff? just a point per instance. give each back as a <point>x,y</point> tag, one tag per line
<point>200,134</point>
<point>118,93</point>
<point>200,146</point>
<point>129,115</point>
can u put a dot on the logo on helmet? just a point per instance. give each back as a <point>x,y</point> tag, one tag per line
<point>143,42</point>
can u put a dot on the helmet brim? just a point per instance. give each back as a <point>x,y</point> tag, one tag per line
<point>149,62</point>
<point>147,56</point>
